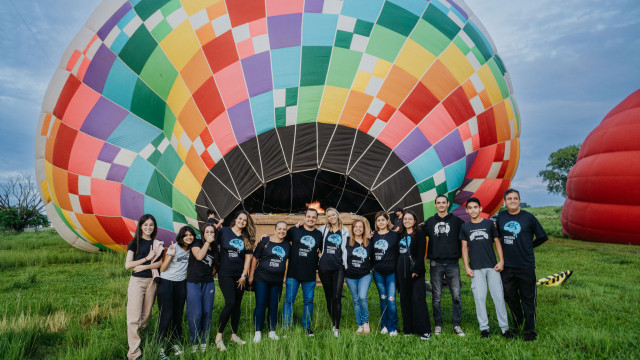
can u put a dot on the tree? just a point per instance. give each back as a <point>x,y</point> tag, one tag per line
<point>557,171</point>
<point>20,203</point>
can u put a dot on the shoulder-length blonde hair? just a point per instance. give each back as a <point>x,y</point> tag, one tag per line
<point>339,218</point>
<point>365,234</point>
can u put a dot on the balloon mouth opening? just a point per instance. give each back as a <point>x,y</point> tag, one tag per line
<point>292,193</point>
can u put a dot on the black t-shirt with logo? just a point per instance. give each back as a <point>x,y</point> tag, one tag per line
<point>331,259</point>
<point>201,271</point>
<point>385,252</point>
<point>272,261</point>
<point>143,252</point>
<point>516,235</point>
<point>358,260</point>
<point>232,252</point>
<point>303,262</point>
<point>443,233</point>
<point>479,238</point>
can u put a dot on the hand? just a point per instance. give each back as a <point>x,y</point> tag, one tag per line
<point>241,282</point>
<point>299,224</point>
<point>499,266</point>
<point>469,272</point>
<point>208,238</point>
<point>172,250</point>
<point>150,255</point>
<point>414,275</point>
<point>371,234</point>
<point>218,225</point>
<point>138,268</point>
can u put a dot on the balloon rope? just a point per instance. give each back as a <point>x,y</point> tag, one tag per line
<point>363,201</point>
<point>342,193</point>
<point>313,191</point>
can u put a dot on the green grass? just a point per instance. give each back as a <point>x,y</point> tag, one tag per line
<point>61,303</point>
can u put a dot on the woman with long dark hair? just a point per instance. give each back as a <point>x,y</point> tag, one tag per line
<point>143,256</point>
<point>332,263</point>
<point>385,256</point>
<point>236,249</point>
<point>358,272</point>
<point>172,289</point>
<point>410,272</point>
<point>268,268</point>
<point>200,287</point>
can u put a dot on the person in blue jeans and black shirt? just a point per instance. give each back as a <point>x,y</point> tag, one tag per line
<point>445,250</point>
<point>358,272</point>
<point>268,268</point>
<point>303,263</point>
<point>517,229</point>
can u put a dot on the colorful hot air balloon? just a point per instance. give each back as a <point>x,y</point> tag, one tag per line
<point>172,107</point>
<point>603,197</point>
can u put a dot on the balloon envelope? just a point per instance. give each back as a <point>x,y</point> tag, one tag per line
<point>174,107</point>
<point>603,197</point>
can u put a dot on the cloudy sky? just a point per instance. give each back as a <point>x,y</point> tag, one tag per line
<point>570,62</point>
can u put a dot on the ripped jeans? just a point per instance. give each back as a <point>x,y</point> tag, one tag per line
<point>386,285</point>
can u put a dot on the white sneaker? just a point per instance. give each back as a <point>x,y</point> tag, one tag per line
<point>203,347</point>
<point>257,337</point>
<point>336,332</point>
<point>384,331</point>
<point>220,345</point>
<point>236,339</point>
<point>194,348</point>
<point>393,333</point>
<point>163,356</point>
<point>458,330</point>
<point>437,330</point>
<point>360,330</point>
<point>177,350</point>
<point>273,336</point>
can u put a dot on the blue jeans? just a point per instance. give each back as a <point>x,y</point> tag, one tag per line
<point>386,285</point>
<point>452,272</point>
<point>200,310</point>
<point>267,297</point>
<point>359,289</point>
<point>308,290</point>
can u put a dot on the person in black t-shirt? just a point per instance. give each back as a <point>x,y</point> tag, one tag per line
<point>478,236</point>
<point>144,255</point>
<point>268,267</point>
<point>332,263</point>
<point>445,251</point>
<point>203,264</point>
<point>358,272</point>
<point>410,272</point>
<point>385,255</point>
<point>236,249</point>
<point>397,223</point>
<point>305,245</point>
<point>517,229</point>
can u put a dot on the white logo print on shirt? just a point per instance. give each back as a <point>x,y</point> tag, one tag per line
<point>442,228</point>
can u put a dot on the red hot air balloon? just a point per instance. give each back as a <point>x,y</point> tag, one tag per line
<point>603,196</point>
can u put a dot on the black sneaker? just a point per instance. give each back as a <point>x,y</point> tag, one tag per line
<point>484,334</point>
<point>309,332</point>
<point>507,334</point>
<point>530,336</point>
<point>425,336</point>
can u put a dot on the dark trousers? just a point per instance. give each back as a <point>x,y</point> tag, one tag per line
<point>171,296</point>
<point>451,270</point>
<point>413,303</point>
<point>520,294</point>
<point>267,299</point>
<point>232,301</point>
<point>332,284</point>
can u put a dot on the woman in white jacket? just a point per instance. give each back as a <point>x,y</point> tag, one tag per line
<point>332,264</point>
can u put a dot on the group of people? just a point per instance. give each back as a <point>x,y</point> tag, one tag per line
<point>392,256</point>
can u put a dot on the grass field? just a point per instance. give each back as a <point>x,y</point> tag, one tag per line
<point>59,302</point>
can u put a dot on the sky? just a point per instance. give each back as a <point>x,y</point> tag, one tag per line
<point>570,63</point>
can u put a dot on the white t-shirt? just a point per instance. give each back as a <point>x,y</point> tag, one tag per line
<point>177,270</point>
